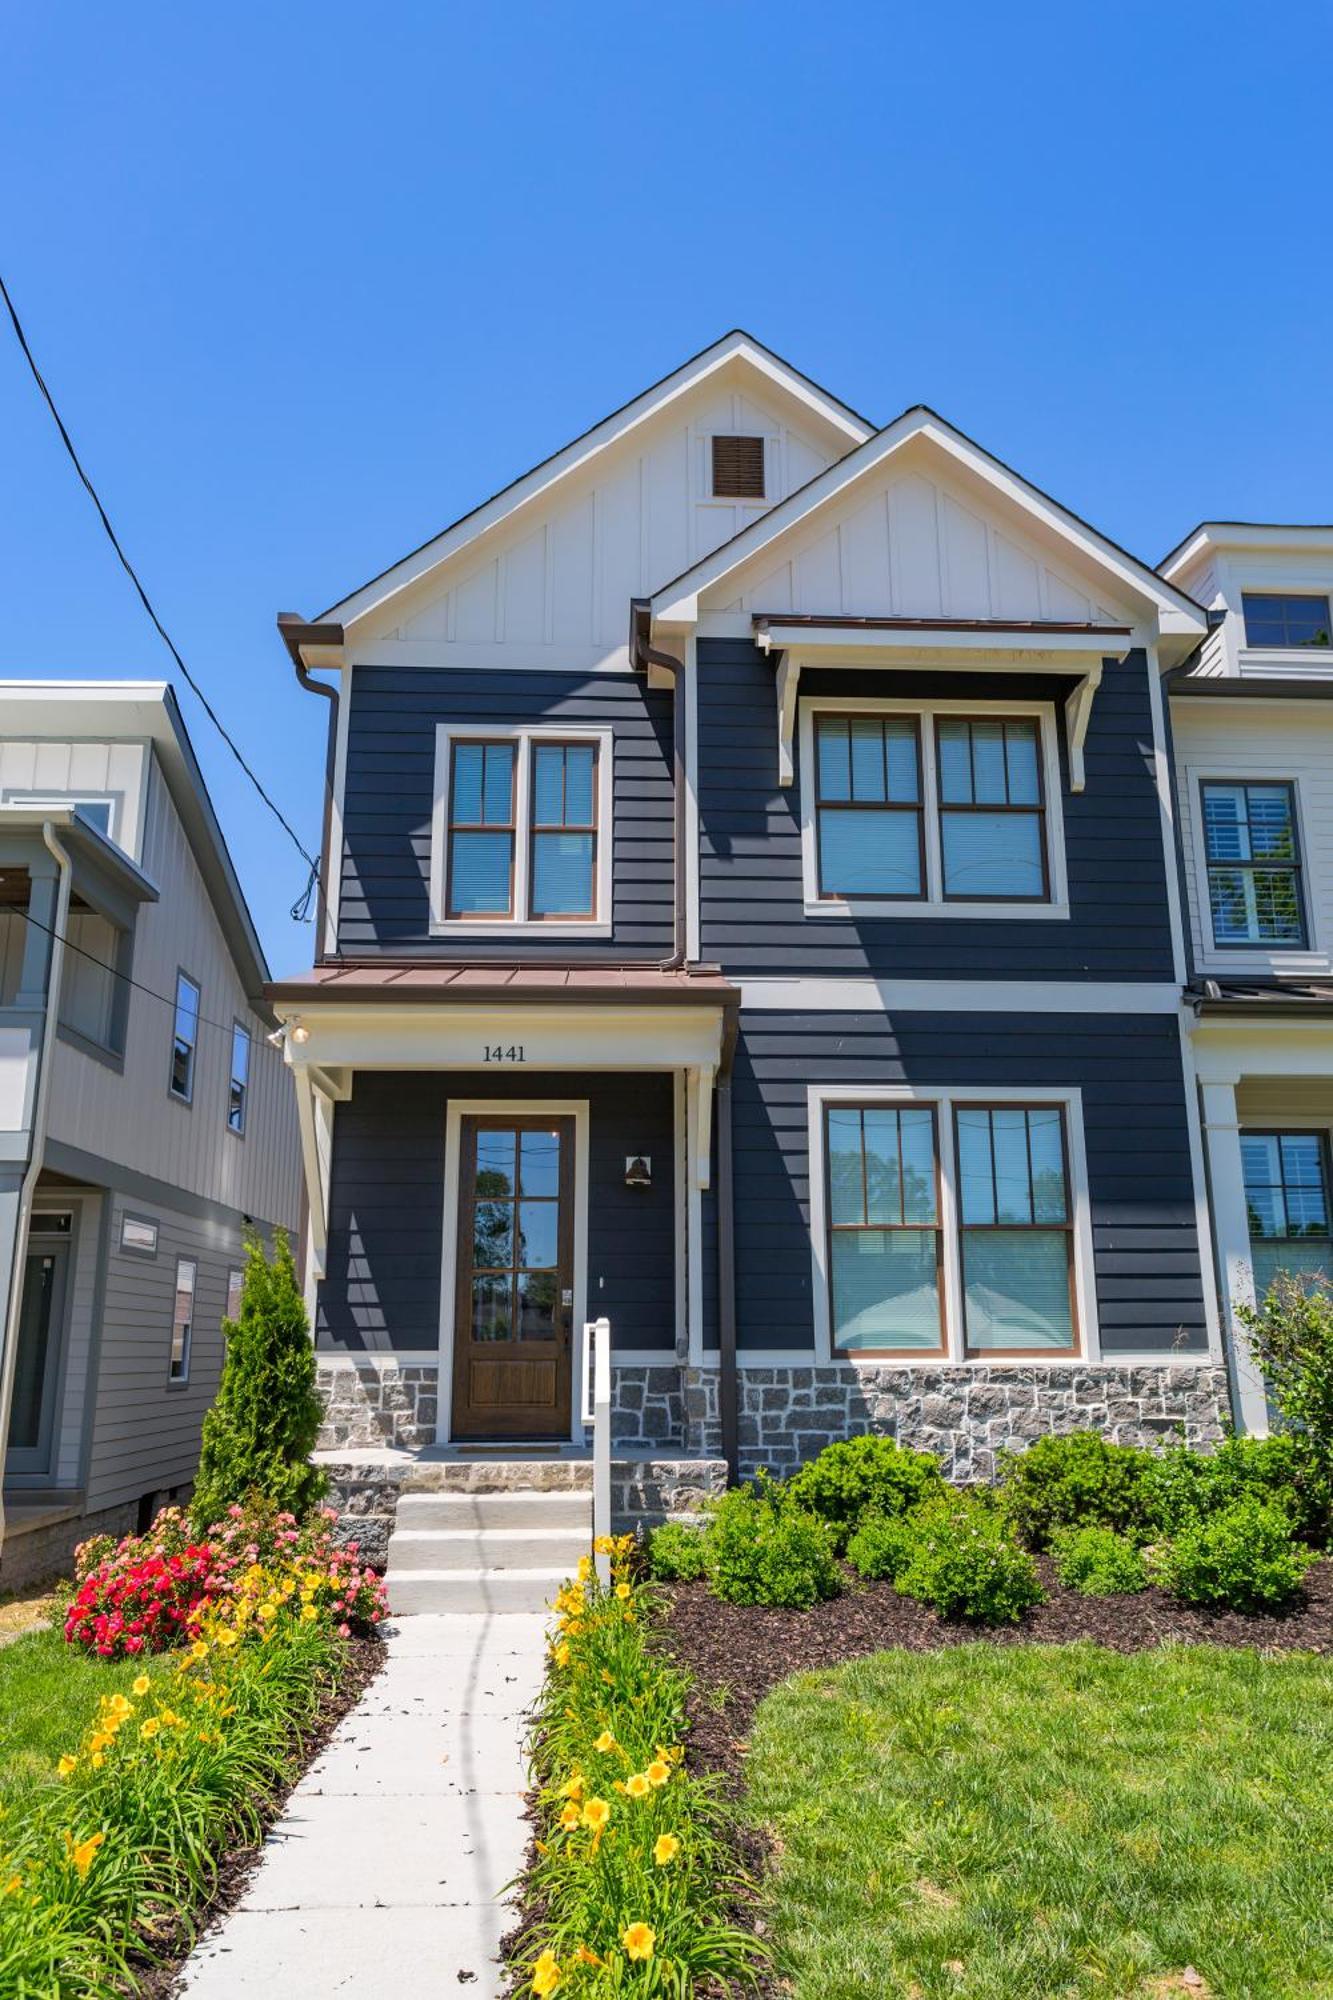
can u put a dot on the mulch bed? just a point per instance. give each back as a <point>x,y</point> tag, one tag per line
<point>740,1651</point>
<point>156,1980</point>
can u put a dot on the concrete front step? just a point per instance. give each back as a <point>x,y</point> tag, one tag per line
<point>458,1590</point>
<point>488,1548</point>
<point>421,1512</point>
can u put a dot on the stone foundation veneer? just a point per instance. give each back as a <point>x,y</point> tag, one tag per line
<point>965,1415</point>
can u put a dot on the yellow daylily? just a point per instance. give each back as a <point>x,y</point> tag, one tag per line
<point>82,1852</point>
<point>142,1685</point>
<point>66,1765</point>
<point>545,1974</point>
<point>665,1849</point>
<point>605,1743</point>
<point>639,1940</point>
<point>658,1772</point>
<point>638,1786</point>
<point>569,1816</point>
<point>595,1814</point>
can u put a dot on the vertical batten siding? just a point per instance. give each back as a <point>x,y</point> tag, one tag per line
<point>114,770</point>
<point>752,908</point>
<point>145,1434</point>
<point>1128,1068</point>
<point>384,901</point>
<point>386,1208</point>
<point>124,1113</point>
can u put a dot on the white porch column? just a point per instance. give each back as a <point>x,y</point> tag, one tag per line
<point>1231,1232</point>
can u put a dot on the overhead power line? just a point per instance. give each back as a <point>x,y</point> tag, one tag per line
<point>144,598</point>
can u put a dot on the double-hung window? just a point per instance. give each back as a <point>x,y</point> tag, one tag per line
<point>935,808</point>
<point>182,1320</point>
<point>1253,862</point>
<point>184,1038</point>
<point>238,1083</point>
<point>949,1224</point>
<point>522,830</point>
<point>1287,1200</point>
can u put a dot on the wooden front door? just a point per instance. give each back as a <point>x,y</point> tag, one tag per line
<point>514,1303</point>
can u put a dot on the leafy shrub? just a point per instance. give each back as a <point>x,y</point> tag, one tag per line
<point>882,1546</point>
<point>762,1549</point>
<point>1181,1486</point>
<point>676,1553</point>
<point>965,1562</point>
<point>1097,1562</point>
<point>262,1426</point>
<point>151,1591</point>
<point>1290,1334</point>
<point>1079,1480</point>
<point>1243,1558</point>
<point>864,1475</point>
<point>633,1880</point>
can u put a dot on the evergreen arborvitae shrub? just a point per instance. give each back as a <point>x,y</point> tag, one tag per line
<point>262,1427</point>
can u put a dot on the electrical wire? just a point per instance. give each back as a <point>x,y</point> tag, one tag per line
<point>144,599</point>
<point>167,999</point>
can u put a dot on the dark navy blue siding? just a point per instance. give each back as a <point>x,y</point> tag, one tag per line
<point>384,902</point>
<point>386,1207</point>
<point>1146,1248</point>
<point>752,918</point>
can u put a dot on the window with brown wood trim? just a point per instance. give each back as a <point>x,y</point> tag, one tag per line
<point>562,852</point>
<point>738,468</point>
<point>886,1241</point>
<point>1015,1229</point>
<point>992,809</point>
<point>482,829</point>
<point>870,820</point>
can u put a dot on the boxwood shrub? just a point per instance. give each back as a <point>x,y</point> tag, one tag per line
<point>1097,1562</point>
<point>677,1553</point>
<point>1181,1486</point>
<point>861,1476</point>
<point>965,1562</point>
<point>882,1546</point>
<point>1243,1558</point>
<point>1078,1480</point>
<point>762,1549</point>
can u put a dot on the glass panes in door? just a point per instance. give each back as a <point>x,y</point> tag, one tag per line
<point>515,1231</point>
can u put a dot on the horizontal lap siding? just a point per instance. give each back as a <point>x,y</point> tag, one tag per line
<point>389,791</point>
<point>386,1208</point>
<point>1139,1171</point>
<point>146,1429</point>
<point>752,918</point>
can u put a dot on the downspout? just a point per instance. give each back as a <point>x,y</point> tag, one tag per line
<point>295,633</point>
<point>36,1149</point>
<point>727,1382</point>
<point>643,655</point>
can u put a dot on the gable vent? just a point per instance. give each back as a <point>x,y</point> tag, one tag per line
<point>738,468</point>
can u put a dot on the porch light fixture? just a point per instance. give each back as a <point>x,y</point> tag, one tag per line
<point>639,1171</point>
<point>300,1032</point>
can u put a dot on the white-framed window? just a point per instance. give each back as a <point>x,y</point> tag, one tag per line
<point>97,809</point>
<point>182,1320</point>
<point>918,808</point>
<point>521,831</point>
<point>238,1082</point>
<point>138,1235</point>
<point>950,1224</point>
<point>1252,855</point>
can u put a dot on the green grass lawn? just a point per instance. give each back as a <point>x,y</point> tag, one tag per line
<point>1010,1823</point>
<point>48,1695</point>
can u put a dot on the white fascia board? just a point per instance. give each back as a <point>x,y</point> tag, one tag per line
<point>1060,648</point>
<point>504,1038</point>
<point>536,485</point>
<point>1225,1050</point>
<point>1143,584</point>
<point>1311,538</point>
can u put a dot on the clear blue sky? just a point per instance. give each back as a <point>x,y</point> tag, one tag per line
<point>310,280</point>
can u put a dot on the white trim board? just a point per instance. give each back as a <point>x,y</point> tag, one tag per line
<point>934,903</point>
<point>520,1107</point>
<point>820,1095</point>
<point>815,995</point>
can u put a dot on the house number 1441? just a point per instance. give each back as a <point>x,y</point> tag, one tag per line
<point>498,1053</point>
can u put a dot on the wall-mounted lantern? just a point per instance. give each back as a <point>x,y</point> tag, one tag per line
<point>639,1171</point>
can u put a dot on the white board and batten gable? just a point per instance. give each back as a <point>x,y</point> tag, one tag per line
<point>543,574</point>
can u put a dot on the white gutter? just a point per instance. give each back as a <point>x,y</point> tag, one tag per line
<point>36,1151</point>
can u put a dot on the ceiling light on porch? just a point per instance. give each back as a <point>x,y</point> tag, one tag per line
<point>639,1171</point>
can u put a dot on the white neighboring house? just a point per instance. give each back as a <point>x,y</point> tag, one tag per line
<point>144,1117</point>
<point>1252,727</point>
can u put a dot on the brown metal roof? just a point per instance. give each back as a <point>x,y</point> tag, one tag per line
<point>629,985</point>
<point>1255,996</point>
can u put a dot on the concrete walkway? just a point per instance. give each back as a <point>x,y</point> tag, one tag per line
<point>384,1874</point>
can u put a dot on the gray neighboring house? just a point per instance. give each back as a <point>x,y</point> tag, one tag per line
<point>144,1117</point>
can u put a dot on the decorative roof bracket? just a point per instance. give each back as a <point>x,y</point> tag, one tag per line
<point>1078,714</point>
